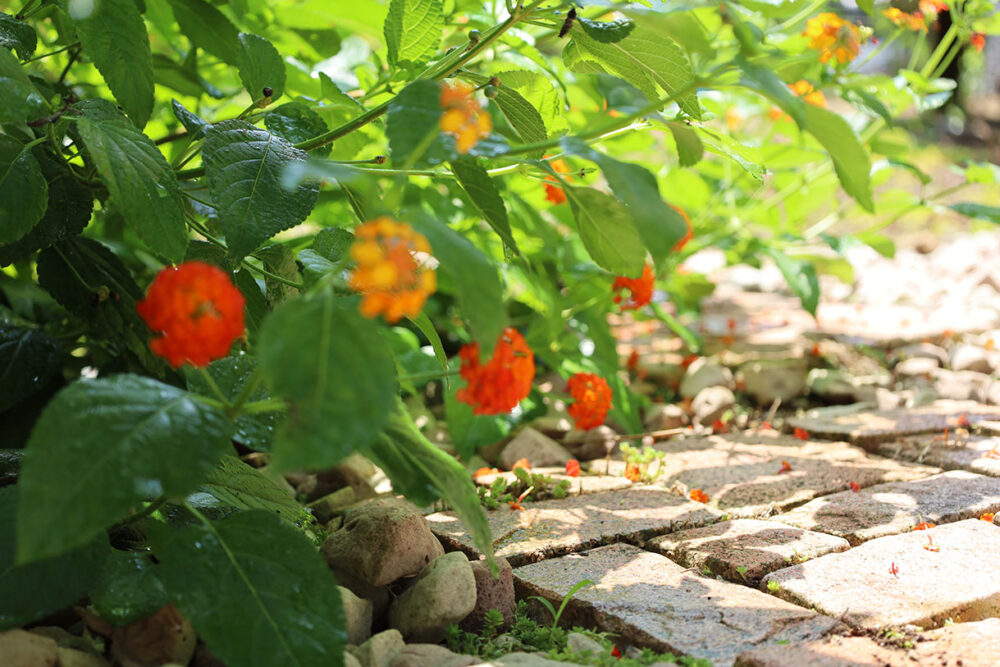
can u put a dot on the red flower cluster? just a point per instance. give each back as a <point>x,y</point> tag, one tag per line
<point>699,496</point>
<point>688,235</point>
<point>640,289</point>
<point>573,468</point>
<point>196,311</point>
<point>632,473</point>
<point>498,385</point>
<point>593,400</point>
<point>800,433</point>
<point>553,192</point>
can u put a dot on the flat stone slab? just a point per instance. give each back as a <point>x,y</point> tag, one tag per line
<point>958,582</point>
<point>657,603</point>
<point>582,484</point>
<point>976,453</point>
<point>866,427</point>
<point>888,509</point>
<point>554,527</point>
<point>973,644</point>
<point>740,472</point>
<point>831,652</point>
<point>744,550</point>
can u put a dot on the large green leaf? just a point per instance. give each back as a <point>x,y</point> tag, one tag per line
<point>260,66</point>
<point>337,374</point>
<point>528,102</point>
<point>23,191</point>
<point>241,485</point>
<point>976,210</point>
<point>114,37</point>
<point>767,83</point>
<point>850,159</point>
<point>484,195</point>
<point>140,181</point>
<point>29,358</point>
<point>127,589</point>
<point>412,126</point>
<point>607,231</point>
<point>18,35</point>
<point>296,122</point>
<point>20,100</point>
<point>231,375</point>
<point>244,166</point>
<point>689,148</point>
<point>255,589</point>
<point>102,447</point>
<point>34,590</point>
<point>413,30</point>
<point>208,28</point>
<point>800,276</point>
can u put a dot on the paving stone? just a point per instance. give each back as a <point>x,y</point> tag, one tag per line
<point>830,652</point>
<point>888,509</point>
<point>976,453</point>
<point>654,602</point>
<point>928,588</point>
<point>967,644</point>
<point>759,547</point>
<point>739,472</point>
<point>553,527</point>
<point>866,427</point>
<point>582,484</point>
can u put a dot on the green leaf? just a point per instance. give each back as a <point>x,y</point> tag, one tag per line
<point>20,100</point>
<point>767,83</point>
<point>649,60</point>
<point>296,122</point>
<point>850,159</point>
<point>231,375</point>
<point>689,148</point>
<point>607,231</point>
<point>208,29</point>
<point>537,92</point>
<point>800,276</point>
<point>18,35</point>
<point>23,190</point>
<point>426,327</point>
<point>114,37</point>
<point>468,431</point>
<point>260,65</point>
<point>252,575</point>
<point>195,125</point>
<point>29,359</point>
<point>329,247</point>
<point>485,196</point>
<point>32,591</point>
<point>413,31</point>
<point>241,485</point>
<point>336,372</point>
<point>867,6</point>
<point>140,181</point>
<point>864,99</point>
<point>606,31</point>
<point>244,167</point>
<point>102,447</point>
<point>976,210</point>
<point>414,114</point>
<point>473,276</point>
<point>127,589</point>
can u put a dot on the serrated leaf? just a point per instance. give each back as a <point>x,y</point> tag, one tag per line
<point>194,124</point>
<point>100,448</point>
<point>484,195</point>
<point>243,486</point>
<point>260,65</point>
<point>29,358</point>
<point>337,374</point>
<point>529,103</point>
<point>800,276</point>
<point>722,144</point>
<point>140,180</point>
<point>20,100</point>
<point>296,122</point>
<point>850,159</point>
<point>114,37</point>
<point>607,231</point>
<point>18,35</point>
<point>244,166</point>
<point>607,31</point>
<point>689,148</point>
<point>412,30</point>
<point>253,575</point>
<point>976,210</point>
<point>414,114</point>
<point>208,28</point>
<point>231,375</point>
<point>127,589</point>
<point>23,191</point>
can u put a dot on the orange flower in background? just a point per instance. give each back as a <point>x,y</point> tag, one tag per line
<point>930,546</point>
<point>498,385</point>
<point>688,235</point>
<point>632,472</point>
<point>573,468</point>
<point>893,570</point>
<point>521,463</point>
<point>592,397</point>
<point>640,289</point>
<point>389,276</point>
<point>833,38</point>
<point>719,427</point>
<point>923,525</point>
<point>482,472</point>
<point>554,193</point>
<point>733,119</point>
<point>987,516</point>
<point>855,487</point>
<point>914,21</point>
<point>699,496</point>
<point>516,504</point>
<point>807,92</point>
<point>776,114</point>
<point>785,467</point>
<point>933,7</point>
<point>978,41</point>
<point>463,118</point>
<point>800,433</point>
<point>196,312</point>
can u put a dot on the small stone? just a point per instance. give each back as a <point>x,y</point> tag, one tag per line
<point>960,385</point>
<point>69,657</point>
<point>577,642</point>
<point>164,637</point>
<point>662,417</point>
<point>919,350</point>
<point>431,655</point>
<point>992,393</point>
<point>380,541</point>
<point>916,366</point>
<point>24,649</point>
<point>357,616</point>
<point>970,358</point>
<point>381,649</point>
<point>491,593</point>
<point>537,448</point>
<point>62,637</point>
<point>765,381</point>
<point>711,403</point>
<point>350,660</point>
<point>976,643</point>
<point>326,507</point>
<point>593,443</point>
<point>520,659</point>
<point>355,471</point>
<point>443,593</point>
<point>702,373</point>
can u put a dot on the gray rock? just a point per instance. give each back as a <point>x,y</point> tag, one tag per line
<point>520,659</point>
<point>69,657</point>
<point>916,366</point>
<point>381,649</point>
<point>711,403</point>
<point>431,655</point>
<point>593,443</point>
<point>960,385</point>
<point>663,416</point>
<point>702,373</point>
<point>918,351</point>
<point>765,381</point>
<point>832,385</point>
<point>582,644</point>
<point>443,593</point>
<point>491,593</point>
<point>538,448</point>
<point>350,660</point>
<point>357,616</point>
<point>970,358</point>
<point>992,393</point>
<point>326,507</point>
<point>24,649</point>
<point>380,541</point>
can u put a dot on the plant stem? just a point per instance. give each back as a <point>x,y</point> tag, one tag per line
<point>248,389</point>
<point>210,381</point>
<point>52,53</point>
<point>265,405</point>
<point>143,513</point>
<point>273,276</point>
<point>430,375</point>
<point>688,336</point>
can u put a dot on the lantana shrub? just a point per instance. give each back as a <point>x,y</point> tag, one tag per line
<point>274,225</point>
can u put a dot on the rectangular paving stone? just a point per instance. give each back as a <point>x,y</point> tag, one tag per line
<point>654,602</point>
<point>759,547</point>
<point>830,652</point>
<point>740,472</point>
<point>958,582</point>
<point>865,427</point>
<point>976,453</point>
<point>554,527</point>
<point>888,509</point>
<point>582,484</point>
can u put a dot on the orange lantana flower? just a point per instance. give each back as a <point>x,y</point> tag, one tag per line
<point>699,496</point>
<point>914,21</point>
<point>463,118</point>
<point>593,400</point>
<point>688,235</point>
<point>632,472</point>
<point>978,41</point>
<point>498,385</point>
<point>805,90</point>
<point>196,312</point>
<point>933,7</point>
<point>734,119</point>
<point>393,280</point>
<point>923,525</point>
<point>640,289</point>
<point>573,468</point>
<point>800,433</point>
<point>987,516</point>
<point>553,192</point>
<point>833,37</point>
<point>521,463</point>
